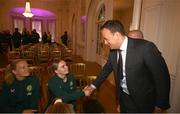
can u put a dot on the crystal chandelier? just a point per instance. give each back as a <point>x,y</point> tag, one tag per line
<point>27,12</point>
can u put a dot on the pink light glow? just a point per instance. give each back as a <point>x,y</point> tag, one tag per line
<point>83,18</point>
<point>35,11</point>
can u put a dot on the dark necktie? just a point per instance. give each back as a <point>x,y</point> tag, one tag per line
<point>120,65</point>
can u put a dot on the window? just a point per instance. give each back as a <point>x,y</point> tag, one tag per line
<point>100,21</point>
<point>101,49</point>
<point>38,26</point>
<point>18,23</point>
<point>52,29</point>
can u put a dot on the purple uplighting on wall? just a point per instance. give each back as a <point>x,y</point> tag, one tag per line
<point>83,18</point>
<point>35,11</point>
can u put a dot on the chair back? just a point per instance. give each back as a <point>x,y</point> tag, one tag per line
<point>29,56</point>
<point>12,55</point>
<point>36,71</point>
<point>68,56</point>
<point>78,69</point>
<point>82,82</point>
<point>56,55</point>
<point>2,74</point>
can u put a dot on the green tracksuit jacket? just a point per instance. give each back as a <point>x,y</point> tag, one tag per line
<point>65,90</point>
<point>20,95</point>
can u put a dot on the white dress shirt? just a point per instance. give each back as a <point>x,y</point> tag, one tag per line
<point>123,49</point>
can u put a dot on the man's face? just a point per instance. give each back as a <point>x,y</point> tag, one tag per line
<point>22,69</point>
<point>110,39</point>
<point>62,68</point>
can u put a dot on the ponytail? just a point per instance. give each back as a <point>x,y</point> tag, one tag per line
<point>9,76</point>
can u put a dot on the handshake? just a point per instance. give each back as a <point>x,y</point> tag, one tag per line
<point>88,90</point>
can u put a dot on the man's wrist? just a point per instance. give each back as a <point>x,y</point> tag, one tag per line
<point>93,86</point>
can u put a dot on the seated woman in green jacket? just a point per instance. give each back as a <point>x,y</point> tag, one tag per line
<point>20,91</point>
<point>63,84</point>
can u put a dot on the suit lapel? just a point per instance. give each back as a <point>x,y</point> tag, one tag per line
<point>130,54</point>
<point>114,61</point>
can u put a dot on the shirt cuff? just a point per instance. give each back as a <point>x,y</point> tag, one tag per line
<point>94,87</point>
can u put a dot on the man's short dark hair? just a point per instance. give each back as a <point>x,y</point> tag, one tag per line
<point>114,26</point>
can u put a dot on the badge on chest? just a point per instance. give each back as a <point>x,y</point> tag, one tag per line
<point>29,90</point>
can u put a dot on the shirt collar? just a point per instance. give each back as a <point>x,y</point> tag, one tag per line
<point>123,46</point>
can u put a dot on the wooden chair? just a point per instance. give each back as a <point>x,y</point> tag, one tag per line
<point>84,81</point>
<point>50,71</point>
<point>68,56</point>
<point>78,69</point>
<point>43,57</point>
<point>29,56</point>
<point>2,74</point>
<point>36,71</point>
<point>81,83</point>
<point>43,101</point>
<point>12,55</point>
<point>55,55</point>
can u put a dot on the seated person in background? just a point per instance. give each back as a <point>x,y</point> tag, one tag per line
<point>20,91</point>
<point>92,106</point>
<point>63,85</point>
<point>135,34</point>
<point>58,107</point>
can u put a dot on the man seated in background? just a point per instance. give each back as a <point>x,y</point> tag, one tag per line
<point>64,38</point>
<point>135,34</point>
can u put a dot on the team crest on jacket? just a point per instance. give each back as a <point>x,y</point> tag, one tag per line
<point>29,88</point>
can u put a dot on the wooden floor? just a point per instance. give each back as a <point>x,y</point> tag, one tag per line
<point>106,93</point>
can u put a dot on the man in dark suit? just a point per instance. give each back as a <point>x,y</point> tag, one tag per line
<point>144,83</point>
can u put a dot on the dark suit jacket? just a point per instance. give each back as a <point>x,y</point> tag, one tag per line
<point>147,75</point>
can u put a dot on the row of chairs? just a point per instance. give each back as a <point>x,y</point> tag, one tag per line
<point>36,56</point>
